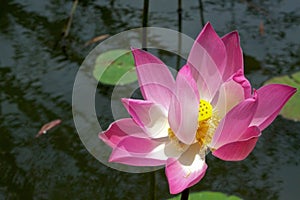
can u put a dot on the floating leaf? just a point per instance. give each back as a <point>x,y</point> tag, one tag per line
<point>115,67</point>
<point>208,196</point>
<point>291,110</point>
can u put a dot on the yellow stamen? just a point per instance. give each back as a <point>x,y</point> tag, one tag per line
<point>180,145</point>
<point>202,132</point>
<point>207,123</point>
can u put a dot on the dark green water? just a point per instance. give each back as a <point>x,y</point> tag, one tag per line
<point>38,68</point>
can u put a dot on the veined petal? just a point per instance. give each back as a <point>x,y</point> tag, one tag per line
<point>241,148</point>
<point>213,45</point>
<point>186,73</point>
<point>155,80</point>
<point>207,59</point>
<point>183,111</point>
<point>185,172</point>
<point>271,100</point>
<point>120,129</point>
<point>234,55</point>
<point>139,152</point>
<point>150,116</point>
<point>235,122</point>
<point>230,94</point>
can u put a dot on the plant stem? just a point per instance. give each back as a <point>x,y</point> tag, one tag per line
<point>185,194</point>
<point>145,24</point>
<point>201,12</point>
<point>152,185</point>
<point>179,11</point>
<point>66,31</point>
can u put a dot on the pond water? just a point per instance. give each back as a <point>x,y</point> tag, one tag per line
<point>37,71</point>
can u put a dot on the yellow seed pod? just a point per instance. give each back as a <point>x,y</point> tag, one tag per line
<point>205,110</point>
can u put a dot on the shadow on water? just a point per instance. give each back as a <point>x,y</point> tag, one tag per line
<point>36,80</point>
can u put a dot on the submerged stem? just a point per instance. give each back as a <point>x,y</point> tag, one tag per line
<point>68,27</point>
<point>201,12</point>
<point>145,24</point>
<point>185,194</point>
<point>179,11</point>
<point>152,185</point>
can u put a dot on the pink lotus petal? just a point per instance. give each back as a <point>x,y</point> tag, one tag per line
<point>234,55</point>
<point>150,116</point>
<point>241,148</point>
<point>214,46</point>
<point>155,80</point>
<point>235,123</point>
<point>230,94</point>
<point>241,79</point>
<point>139,152</point>
<point>186,73</point>
<point>207,59</point>
<point>272,99</point>
<point>183,112</point>
<point>187,171</point>
<point>120,129</point>
<point>139,110</point>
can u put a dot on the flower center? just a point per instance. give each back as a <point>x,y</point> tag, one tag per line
<point>208,121</point>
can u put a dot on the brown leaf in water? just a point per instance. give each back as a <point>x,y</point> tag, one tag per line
<point>96,39</point>
<point>48,126</point>
<point>261,28</point>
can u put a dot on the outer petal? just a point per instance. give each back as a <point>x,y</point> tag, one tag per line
<point>272,99</point>
<point>155,79</point>
<point>150,116</point>
<point>187,171</point>
<point>120,129</point>
<point>234,55</point>
<point>240,149</point>
<point>214,46</point>
<point>235,123</point>
<point>232,92</point>
<point>207,59</point>
<point>139,152</point>
<point>183,112</point>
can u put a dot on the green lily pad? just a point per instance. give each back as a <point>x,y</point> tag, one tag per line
<point>115,67</point>
<point>208,196</point>
<point>291,110</point>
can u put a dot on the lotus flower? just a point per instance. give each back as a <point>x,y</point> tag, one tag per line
<point>210,107</point>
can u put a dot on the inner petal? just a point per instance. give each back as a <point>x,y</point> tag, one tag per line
<point>158,126</point>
